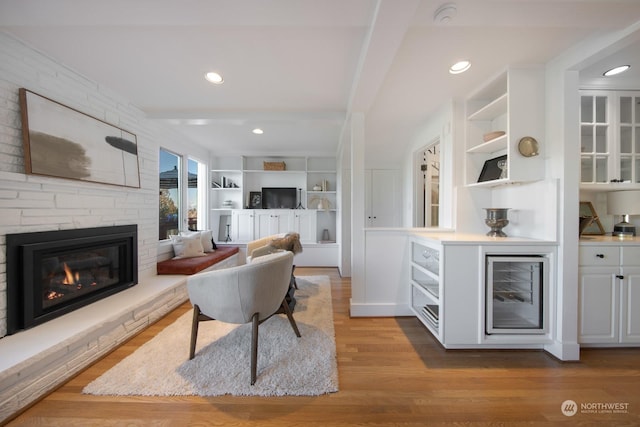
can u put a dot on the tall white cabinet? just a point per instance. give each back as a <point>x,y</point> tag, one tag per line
<point>382,198</point>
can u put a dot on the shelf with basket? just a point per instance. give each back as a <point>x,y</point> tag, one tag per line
<point>252,174</point>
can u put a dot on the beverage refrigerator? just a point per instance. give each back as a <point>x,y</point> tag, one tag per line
<point>516,287</point>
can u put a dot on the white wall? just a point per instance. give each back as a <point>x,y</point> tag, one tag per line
<point>30,203</point>
<point>440,126</point>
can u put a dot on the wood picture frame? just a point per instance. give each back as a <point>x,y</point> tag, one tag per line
<point>595,228</point>
<point>255,200</point>
<point>490,170</point>
<point>62,142</point>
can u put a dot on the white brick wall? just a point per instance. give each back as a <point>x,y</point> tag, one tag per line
<point>34,203</point>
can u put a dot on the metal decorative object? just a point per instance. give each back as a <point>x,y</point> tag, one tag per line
<point>528,147</point>
<point>496,219</point>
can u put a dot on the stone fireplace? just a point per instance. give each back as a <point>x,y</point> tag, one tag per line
<point>55,272</point>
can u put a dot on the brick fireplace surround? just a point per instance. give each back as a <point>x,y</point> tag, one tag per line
<point>37,360</point>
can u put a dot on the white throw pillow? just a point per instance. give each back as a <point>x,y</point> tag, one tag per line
<point>187,246</point>
<point>206,238</point>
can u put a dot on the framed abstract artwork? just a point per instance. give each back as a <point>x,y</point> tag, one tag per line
<point>65,143</point>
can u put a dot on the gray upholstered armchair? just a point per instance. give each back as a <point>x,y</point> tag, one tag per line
<point>247,293</point>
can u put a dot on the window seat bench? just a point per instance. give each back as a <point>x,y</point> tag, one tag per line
<point>223,257</point>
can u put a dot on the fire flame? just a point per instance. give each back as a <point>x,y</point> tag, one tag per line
<point>51,295</point>
<point>71,278</point>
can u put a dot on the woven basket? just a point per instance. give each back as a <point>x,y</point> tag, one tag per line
<point>274,166</point>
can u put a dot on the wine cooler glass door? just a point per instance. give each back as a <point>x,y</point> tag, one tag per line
<point>515,294</point>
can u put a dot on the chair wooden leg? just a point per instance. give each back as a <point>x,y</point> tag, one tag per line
<point>292,321</point>
<point>293,278</point>
<point>254,347</point>
<point>194,331</point>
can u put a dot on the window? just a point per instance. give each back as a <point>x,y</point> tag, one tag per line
<point>196,195</point>
<point>170,194</point>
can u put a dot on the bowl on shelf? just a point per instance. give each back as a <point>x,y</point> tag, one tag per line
<point>492,135</point>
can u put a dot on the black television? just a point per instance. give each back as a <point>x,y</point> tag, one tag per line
<point>279,197</point>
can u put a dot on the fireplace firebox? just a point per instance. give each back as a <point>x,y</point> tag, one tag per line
<point>54,272</point>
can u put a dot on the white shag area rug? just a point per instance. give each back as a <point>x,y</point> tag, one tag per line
<point>287,365</point>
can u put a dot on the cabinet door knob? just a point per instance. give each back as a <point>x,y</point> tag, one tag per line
<point>619,276</point>
<point>600,255</point>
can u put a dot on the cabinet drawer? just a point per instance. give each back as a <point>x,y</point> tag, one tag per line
<point>631,255</point>
<point>599,255</point>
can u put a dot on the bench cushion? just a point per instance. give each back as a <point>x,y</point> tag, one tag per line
<point>196,264</point>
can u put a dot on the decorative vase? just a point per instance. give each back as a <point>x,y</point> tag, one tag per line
<point>496,219</point>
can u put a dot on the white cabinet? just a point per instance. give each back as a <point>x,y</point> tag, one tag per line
<point>382,198</point>
<point>630,306</point>
<point>609,294</point>
<point>272,221</point>
<point>448,290</point>
<point>609,139</point>
<point>242,225</point>
<point>304,223</point>
<point>595,137</point>
<point>445,297</point>
<point>499,115</point>
<point>426,285</point>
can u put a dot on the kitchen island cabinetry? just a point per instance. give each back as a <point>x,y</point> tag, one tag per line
<point>448,288</point>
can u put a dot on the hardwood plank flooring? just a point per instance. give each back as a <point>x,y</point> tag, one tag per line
<point>392,372</point>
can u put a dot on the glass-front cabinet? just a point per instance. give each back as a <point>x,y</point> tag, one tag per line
<point>595,147</point>
<point>629,136</point>
<point>609,139</point>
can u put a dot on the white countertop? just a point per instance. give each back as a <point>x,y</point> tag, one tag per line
<point>474,239</point>
<point>608,239</point>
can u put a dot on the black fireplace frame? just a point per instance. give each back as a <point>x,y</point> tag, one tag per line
<point>19,315</point>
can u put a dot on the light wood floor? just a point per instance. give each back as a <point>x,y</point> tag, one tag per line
<point>392,372</point>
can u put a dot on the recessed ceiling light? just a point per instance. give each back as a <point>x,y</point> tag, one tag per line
<point>616,70</point>
<point>258,131</point>
<point>214,77</point>
<point>460,67</point>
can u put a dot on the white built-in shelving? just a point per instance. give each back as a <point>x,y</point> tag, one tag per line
<point>235,179</point>
<point>512,103</point>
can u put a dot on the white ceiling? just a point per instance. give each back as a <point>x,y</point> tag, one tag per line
<point>297,68</point>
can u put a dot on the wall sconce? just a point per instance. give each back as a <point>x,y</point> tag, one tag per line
<point>624,203</point>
